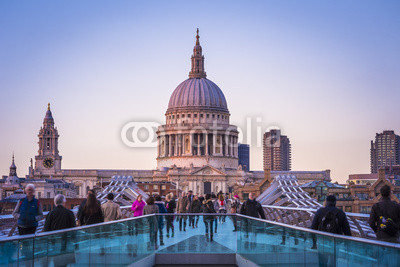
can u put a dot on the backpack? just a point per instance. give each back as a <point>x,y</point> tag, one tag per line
<point>330,223</point>
<point>386,224</point>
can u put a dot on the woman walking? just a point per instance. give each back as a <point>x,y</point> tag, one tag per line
<point>91,212</point>
<point>235,205</point>
<point>170,204</point>
<point>221,205</point>
<point>152,208</point>
<point>137,206</point>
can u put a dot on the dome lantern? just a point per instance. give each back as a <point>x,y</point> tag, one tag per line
<point>197,70</point>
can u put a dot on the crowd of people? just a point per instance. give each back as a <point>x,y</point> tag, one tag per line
<point>214,207</point>
<point>28,212</point>
<point>384,218</point>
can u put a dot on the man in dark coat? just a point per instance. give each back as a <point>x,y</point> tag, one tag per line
<point>59,218</point>
<point>382,212</point>
<point>195,207</point>
<point>208,207</point>
<point>252,207</point>
<point>183,207</point>
<point>340,223</point>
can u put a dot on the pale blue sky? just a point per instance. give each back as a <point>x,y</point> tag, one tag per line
<point>326,72</point>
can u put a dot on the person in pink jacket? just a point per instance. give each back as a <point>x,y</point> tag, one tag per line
<point>137,206</point>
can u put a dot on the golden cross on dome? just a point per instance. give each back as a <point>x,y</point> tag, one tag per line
<point>48,106</point>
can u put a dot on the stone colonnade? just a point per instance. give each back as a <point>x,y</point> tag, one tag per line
<point>197,144</point>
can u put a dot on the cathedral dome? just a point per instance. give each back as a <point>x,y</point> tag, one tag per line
<point>197,93</point>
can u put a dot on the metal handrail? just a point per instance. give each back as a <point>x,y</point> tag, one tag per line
<point>362,215</point>
<point>77,228</point>
<point>357,239</point>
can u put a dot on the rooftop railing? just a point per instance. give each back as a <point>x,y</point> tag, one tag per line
<point>137,240</point>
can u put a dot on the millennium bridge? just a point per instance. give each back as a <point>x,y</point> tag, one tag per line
<point>283,239</point>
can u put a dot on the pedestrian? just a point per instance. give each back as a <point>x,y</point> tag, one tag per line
<point>195,207</point>
<point>91,212</point>
<point>208,208</point>
<point>235,205</point>
<point>28,212</point>
<point>252,207</point>
<point>190,199</point>
<point>161,209</point>
<point>331,219</point>
<point>215,202</point>
<point>182,207</point>
<point>151,208</point>
<point>170,204</point>
<point>221,207</point>
<point>201,198</point>
<point>111,210</point>
<point>60,217</point>
<point>385,217</point>
<point>137,206</point>
<point>83,203</point>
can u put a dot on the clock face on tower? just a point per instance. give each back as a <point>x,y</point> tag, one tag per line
<point>48,162</point>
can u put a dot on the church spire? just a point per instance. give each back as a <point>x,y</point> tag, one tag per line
<point>197,37</point>
<point>197,70</point>
<point>13,168</point>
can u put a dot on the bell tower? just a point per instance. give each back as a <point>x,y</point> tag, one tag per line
<point>48,160</point>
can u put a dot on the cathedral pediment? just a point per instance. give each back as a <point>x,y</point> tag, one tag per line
<point>208,170</point>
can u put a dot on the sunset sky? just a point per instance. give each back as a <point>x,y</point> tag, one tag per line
<point>326,72</point>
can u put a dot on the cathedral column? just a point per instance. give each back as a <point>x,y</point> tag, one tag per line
<point>231,154</point>
<point>165,146</point>
<point>206,151</point>
<point>229,145</point>
<point>236,147</point>
<point>214,143</point>
<point>171,150</point>
<point>225,145</point>
<point>224,186</point>
<point>80,190</point>
<point>179,144</point>
<point>233,147</point>
<point>191,144</point>
<point>176,145</point>
<point>198,145</point>
<point>158,146</point>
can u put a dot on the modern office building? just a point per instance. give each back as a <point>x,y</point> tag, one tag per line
<point>244,156</point>
<point>385,151</point>
<point>276,151</point>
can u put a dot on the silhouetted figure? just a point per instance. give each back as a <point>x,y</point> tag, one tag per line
<point>385,217</point>
<point>331,219</point>
<point>208,207</point>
